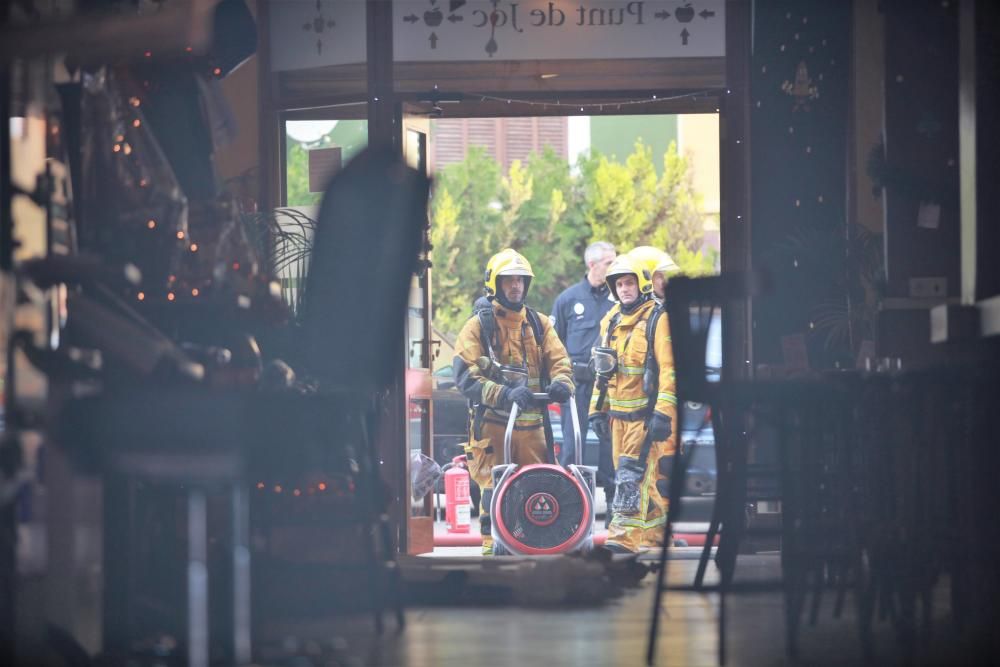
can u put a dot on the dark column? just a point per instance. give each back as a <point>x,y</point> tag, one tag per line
<point>919,174</point>
<point>799,102</point>
<point>980,94</point>
<point>382,125</point>
<point>734,161</point>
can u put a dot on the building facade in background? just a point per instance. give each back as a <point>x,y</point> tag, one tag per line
<point>505,139</point>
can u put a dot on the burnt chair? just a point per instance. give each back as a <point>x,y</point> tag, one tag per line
<point>811,473</point>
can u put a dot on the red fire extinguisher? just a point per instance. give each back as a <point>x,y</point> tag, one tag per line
<point>456,496</point>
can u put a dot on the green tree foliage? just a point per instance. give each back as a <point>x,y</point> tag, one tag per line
<point>464,229</point>
<point>550,213</point>
<point>297,177</point>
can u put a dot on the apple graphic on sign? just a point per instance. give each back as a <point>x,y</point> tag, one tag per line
<point>433,17</point>
<point>685,14</point>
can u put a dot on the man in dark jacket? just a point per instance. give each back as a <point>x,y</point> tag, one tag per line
<point>577,315</point>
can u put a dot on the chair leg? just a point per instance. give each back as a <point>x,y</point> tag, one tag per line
<point>734,508</point>
<point>722,482</point>
<point>843,572</point>
<point>886,599</point>
<point>794,584</point>
<point>721,497</point>
<point>381,547</point>
<point>722,623</point>
<point>732,515</point>
<point>678,474</point>
<point>817,596</point>
<point>241,575</point>
<point>197,579</point>
<point>906,627</point>
<point>791,572</point>
<point>713,531</point>
<point>927,617</point>
<point>864,602</point>
<point>661,577</point>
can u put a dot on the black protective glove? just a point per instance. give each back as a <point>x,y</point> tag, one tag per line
<point>520,395</point>
<point>559,393</point>
<point>600,424</point>
<point>659,427</point>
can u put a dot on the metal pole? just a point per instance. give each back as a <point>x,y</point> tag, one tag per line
<point>508,433</point>
<point>197,579</point>
<point>241,575</point>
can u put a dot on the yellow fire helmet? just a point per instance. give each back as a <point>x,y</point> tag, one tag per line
<point>623,265</point>
<point>647,257</point>
<point>507,262</point>
<point>667,266</point>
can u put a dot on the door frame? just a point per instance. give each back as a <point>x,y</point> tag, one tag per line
<point>383,86</point>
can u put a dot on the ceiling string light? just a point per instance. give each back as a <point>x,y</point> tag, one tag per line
<point>595,106</point>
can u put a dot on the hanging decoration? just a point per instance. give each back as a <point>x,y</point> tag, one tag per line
<point>803,89</point>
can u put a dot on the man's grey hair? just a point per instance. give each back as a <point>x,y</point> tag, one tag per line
<point>596,250</point>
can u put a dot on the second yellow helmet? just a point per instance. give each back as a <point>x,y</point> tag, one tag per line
<point>647,257</point>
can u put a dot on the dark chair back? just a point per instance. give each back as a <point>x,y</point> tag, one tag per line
<point>368,238</point>
<point>694,306</point>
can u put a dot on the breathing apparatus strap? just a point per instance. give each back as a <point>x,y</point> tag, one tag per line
<point>489,332</point>
<point>651,380</point>
<point>490,338</point>
<point>544,379</point>
<point>602,380</point>
<point>651,366</point>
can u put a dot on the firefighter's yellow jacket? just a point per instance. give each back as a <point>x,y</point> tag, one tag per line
<point>626,398</point>
<point>514,344</point>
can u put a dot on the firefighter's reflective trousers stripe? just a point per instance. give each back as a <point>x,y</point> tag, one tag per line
<point>645,527</point>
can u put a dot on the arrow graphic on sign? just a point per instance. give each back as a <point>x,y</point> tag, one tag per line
<point>455,18</point>
<point>705,14</point>
<point>434,40</point>
<point>663,15</point>
<point>455,4</point>
<point>412,18</point>
<point>684,37</point>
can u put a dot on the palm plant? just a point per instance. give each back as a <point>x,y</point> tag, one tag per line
<point>283,239</point>
<point>849,261</point>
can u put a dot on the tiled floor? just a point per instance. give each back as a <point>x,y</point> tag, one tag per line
<point>613,634</point>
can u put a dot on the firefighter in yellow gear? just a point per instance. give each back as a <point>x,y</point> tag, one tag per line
<point>503,354</point>
<point>638,407</point>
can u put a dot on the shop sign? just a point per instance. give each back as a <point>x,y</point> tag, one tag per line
<point>316,33</point>
<point>463,30</point>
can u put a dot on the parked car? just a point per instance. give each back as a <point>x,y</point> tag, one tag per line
<point>698,442</point>
<point>450,415</point>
